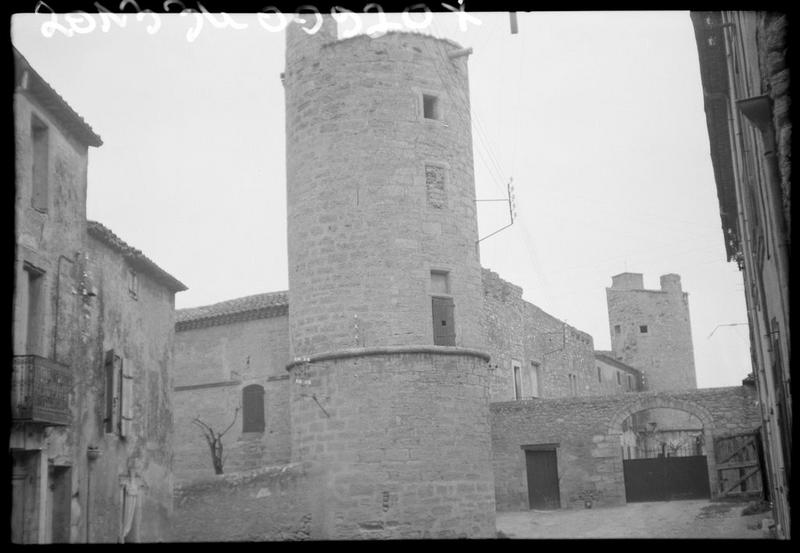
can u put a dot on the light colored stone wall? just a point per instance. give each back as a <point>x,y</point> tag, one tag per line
<point>588,431</point>
<point>213,365</point>
<point>363,237</point>
<point>518,331</point>
<point>665,354</point>
<point>267,504</point>
<point>403,444</point>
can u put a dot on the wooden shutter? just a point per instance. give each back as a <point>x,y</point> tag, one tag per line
<point>253,409</point>
<point>444,329</point>
<point>126,398</point>
<point>113,365</point>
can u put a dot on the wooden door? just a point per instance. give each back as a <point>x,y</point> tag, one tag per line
<point>542,471</point>
<point>444,328</point>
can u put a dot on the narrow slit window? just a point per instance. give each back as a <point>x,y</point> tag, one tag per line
<point>599,374</point>
<point>617,329</point>
<point>430,106</point>
<point>41,158</point>
<point>517,382</point>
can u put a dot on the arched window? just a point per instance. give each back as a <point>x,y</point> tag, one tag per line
<point>253,408</point>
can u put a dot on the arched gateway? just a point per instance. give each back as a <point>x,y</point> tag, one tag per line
<point>688,473</point>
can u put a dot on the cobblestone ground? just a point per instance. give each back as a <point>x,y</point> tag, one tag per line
<point>694,519</point>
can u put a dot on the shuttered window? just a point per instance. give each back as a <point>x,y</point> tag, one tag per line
<point>253,408</point>
<point>119,373</point>
<point>444,328</point>
<point>126,398</point>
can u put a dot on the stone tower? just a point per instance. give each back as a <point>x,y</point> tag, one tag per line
<point>389,378</point>
<point>651,331</point>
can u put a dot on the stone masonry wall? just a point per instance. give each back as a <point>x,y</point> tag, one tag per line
<point>773,51</point>
<point>267,504</point>
<point>664,354</point>
<point>402,442</point>
<point>518,331</point>
<point>587,432</point>
<point>367,222</point>
<point>213,365</point>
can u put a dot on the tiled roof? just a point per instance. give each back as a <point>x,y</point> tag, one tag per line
<point>608,357</point>
<point>52,101</point>
<point>135,257</point>
<point>258,306</point>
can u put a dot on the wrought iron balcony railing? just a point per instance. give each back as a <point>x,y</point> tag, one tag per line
<point>40,391</point>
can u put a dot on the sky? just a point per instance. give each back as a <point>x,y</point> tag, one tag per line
<point>596,116</point>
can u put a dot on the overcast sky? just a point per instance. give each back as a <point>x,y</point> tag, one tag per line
<point>597,117</point>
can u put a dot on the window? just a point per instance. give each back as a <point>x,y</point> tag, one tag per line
<point>440,282</point>
<point>119,394</point>
<point>619,378</point>
<point>133,284</point>
<point>39,137</point>
<point>642,329</point>
<point>599,374</point>
<point>430,107</point>
<point>517,380</point>
<point>33,345</point>
<point>630,382</point>
<point>617,329</point>
<point>536,373</point>
<point>573,384</point>
<point>253,408</point>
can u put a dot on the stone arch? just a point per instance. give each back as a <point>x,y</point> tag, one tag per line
<point>643,403</point>
<point>658,402</point>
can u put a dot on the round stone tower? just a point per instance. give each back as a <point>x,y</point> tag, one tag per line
<point>389,379</point>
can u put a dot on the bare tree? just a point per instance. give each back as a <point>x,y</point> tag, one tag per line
<point>214,440</point>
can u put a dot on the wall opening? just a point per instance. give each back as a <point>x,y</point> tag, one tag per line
<point>253,409</point>
<point>34,324</point>
<point>515,367</point>
<point>40,139</point>
<point>430,107</point>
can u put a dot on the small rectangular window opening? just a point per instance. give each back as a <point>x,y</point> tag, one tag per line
<point>430,106</point>
<point>617,329</point>
<point>630,382</point>
<point>643,329</point>
<point>619,378</point>
<point>599,374</point>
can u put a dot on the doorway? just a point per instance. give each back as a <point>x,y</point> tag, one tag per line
<point>541,463</point>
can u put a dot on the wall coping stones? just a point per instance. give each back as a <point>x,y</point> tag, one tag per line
<point>389,350</point>
<point>235,479</point>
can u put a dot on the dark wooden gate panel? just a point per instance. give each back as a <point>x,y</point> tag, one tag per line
<point>542,470</point>
<point>740,471</point>
<point>666,478</point>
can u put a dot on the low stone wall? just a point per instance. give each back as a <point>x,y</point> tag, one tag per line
<point>267,504</point>
<point>585,432</point>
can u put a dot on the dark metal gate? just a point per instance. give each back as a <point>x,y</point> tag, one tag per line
<point>666,478</point>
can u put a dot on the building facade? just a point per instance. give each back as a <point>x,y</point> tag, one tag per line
<point>228,356</point>
<point>651,330</point>
<point>744,69</point>
<point>93,325</point>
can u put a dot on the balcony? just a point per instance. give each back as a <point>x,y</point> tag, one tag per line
<point>40,391</point>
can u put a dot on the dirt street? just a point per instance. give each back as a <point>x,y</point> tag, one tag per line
<point>671,519</point>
